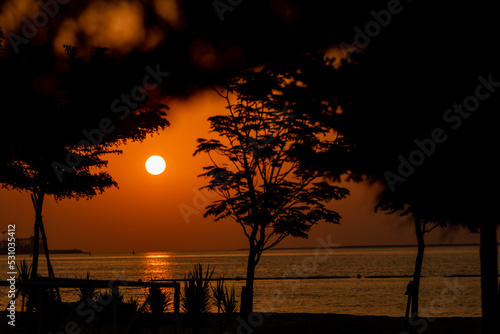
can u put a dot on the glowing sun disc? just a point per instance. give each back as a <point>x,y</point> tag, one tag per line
<point>155,165</point>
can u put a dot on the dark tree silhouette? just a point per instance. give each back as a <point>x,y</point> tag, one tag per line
<point>53,140</point>
<point>425,219</point>
<point>261,183</point>
<point>406,84</point>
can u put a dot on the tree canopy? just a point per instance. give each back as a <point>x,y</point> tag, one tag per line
<point>261,183</point>
<point>261,180</point>
<point>56,127</point>
<point>54,138</point>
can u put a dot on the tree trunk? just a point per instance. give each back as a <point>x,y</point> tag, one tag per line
<point>247,293</point>
<point>419,230</point>
<point>37,199</point>
<point>489,278</point>
<point>49,265</point>
<point>46,249</point>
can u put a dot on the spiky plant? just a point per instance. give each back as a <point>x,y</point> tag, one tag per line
<point>158,301</point>
<point>218,293</point>
<point>225,300</point>
<point>218,297</point>
<point>229,303</point>
<point>24,273</point>
<point>86,292</point>
<point>196,298</point>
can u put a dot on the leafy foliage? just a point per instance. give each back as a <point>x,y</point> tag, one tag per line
<point>158,300</point>
<point>266,183</point>
<point>24,273</point>
<point>84,292</point>
<point>126,308</point>
<point>55,129</point>
<point>196,298</point>
<point>218,294</point>
<point>40,128</point>
<point>224,299</point>
<point>229,302</point>
<point>262,183</point>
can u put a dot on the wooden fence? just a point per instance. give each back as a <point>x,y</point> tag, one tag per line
<point>114,285</point>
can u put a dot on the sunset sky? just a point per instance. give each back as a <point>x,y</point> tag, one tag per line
<point>144,214</point>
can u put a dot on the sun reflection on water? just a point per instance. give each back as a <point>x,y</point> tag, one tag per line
<point>156,265</point>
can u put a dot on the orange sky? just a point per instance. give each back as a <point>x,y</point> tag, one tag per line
<point>144,213</point>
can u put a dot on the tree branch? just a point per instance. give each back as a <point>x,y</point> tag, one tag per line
<point>429,230</point>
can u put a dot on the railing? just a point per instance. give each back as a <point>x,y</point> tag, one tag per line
<point>114,285</point>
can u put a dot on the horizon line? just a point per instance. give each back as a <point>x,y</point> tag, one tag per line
<point>292,248</point>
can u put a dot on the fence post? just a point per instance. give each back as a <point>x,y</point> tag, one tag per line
<point>177,300</point>
<point>177,297</point>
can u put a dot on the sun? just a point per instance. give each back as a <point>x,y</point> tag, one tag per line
<point>155,165</point>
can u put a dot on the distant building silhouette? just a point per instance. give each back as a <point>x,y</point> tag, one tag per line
<point>25,246</point>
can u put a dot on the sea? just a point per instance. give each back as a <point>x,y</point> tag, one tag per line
<point>356,281</point>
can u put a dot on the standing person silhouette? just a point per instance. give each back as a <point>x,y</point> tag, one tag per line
<point>410,292</point>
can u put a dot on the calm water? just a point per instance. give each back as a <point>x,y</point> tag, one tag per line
<point>440,295</point>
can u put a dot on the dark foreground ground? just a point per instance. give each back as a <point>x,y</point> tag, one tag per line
<point>277,323</point>
<point>340,324</point>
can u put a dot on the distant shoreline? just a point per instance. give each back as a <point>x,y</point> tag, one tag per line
<point>77,251</point>
<point>377,246</point>
<point>51,251</point>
